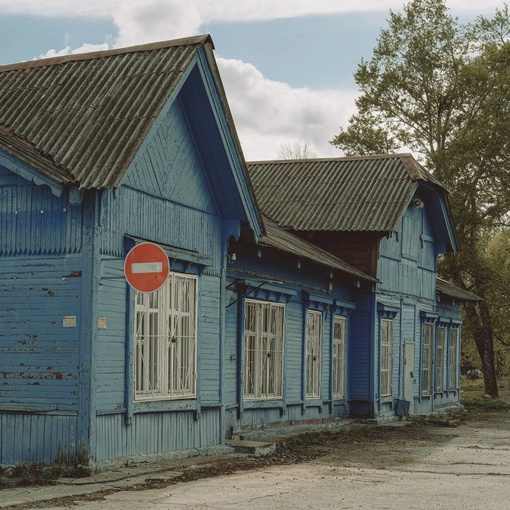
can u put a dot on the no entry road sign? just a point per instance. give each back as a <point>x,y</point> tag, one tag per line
<point>146,267</point>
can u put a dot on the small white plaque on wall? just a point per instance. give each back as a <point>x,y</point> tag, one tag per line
<point>69,321</point>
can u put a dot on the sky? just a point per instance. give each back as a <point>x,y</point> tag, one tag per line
<point>287,65</point>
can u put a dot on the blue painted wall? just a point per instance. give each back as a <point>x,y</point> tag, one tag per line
<point>407,292</point>
<point>41,311</point>
<point>266,275</point>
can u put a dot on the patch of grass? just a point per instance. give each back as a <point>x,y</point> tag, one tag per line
<point>483,404</point>
<point>31,475</point>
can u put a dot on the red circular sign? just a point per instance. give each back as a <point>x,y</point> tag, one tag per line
<point>146,267</point>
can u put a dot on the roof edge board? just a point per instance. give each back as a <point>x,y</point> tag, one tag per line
<point>19,167</point>
<point>198,40</point>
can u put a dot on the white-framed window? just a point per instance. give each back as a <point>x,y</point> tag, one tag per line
<point>166,340</point>
<point>386,356</point>
<point>452,359</point>
<point>440,355</point>
<point>263,349</point>
<point>313,353</point>
<point>426,358</point>
<point>339,368</point>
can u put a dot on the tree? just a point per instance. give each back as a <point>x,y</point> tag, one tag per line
<point>441,90</point>
<point>296,150</point>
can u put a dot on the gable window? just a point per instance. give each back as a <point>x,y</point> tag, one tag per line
<point>440,354</point>
<point>263,349</point>
<point>452,359</point>
<point>426,359</point>
<point>313,353</point>
<point>386,358</point>
<point>166,339</point>
<point>339,372</point>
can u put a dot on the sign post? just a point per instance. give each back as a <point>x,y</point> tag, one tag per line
<point>146,267</point>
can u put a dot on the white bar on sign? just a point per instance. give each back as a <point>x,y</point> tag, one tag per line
<point>147,267</point>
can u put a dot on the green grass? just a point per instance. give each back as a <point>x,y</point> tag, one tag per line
<point>474,399</point>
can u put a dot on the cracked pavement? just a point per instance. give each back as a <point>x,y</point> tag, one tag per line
<point>375,467</point>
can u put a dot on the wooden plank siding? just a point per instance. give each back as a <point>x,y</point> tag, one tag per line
<point>300,286</point>
<point>407,272</point>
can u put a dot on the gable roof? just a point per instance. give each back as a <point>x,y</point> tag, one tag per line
<point>287,242</point>
<point>366,193</point>
<point>81,118</point>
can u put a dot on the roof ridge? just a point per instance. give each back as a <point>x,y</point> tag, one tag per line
<point>341,158</point>
<point>44,62</point>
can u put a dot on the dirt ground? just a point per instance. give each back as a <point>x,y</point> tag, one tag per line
<point>398,447</point>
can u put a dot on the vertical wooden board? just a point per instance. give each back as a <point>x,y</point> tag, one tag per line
<point>359,352</point>
<point>34,221</point>
<point>110,352</point>
<point>209,338</point>
<point>37,438</point>
<point>170,166</point>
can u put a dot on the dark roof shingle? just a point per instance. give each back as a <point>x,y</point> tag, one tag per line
<point>82,118</point>
<point>367,193</point>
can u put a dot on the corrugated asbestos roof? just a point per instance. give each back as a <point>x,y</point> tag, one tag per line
<point>284,241</point>
<point>451,290</point>
<point>82,118</point>
<point>339,194</point>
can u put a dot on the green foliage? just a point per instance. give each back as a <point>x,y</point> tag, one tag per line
<point>442,90</point>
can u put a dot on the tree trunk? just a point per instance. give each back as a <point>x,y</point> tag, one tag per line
<point>480,325</point>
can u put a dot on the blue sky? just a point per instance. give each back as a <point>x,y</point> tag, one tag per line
<point>287,65</point>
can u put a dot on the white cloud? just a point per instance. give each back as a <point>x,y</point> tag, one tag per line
<point>269,114</point>
<point>86,48</point>
<point>155,20</point>
<point>222,10</point>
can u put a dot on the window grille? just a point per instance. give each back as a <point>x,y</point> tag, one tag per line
<point>165,340</point>
<point>313,354</point>
<point>263,350</point>
<point>386,356</point>
<point>441,335</point>
<point>426,370</point>
<point>339,372</point>
<point>452,361</point>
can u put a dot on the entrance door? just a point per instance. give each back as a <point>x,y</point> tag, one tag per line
<point>409,374</point>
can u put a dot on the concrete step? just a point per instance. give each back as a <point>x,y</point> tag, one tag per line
<point>258,448</point>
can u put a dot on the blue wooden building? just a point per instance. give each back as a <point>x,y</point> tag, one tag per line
<point>326,307</point>
<point>290,307</point>
<point>99,152</point>
<point>388,217</point>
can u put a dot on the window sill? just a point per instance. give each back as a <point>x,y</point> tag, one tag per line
<point>140,406</point>
<point>263,404</point>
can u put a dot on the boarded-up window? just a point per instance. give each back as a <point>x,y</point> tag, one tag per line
<point>263,350</point>
<point>411,237</point>
<point>165,340</point>
<point>313,354</point>
<point>426,359</point>
<point>339,372</point>
<point>386,358</point>
<point>452,359</point>
<point>440,355</point>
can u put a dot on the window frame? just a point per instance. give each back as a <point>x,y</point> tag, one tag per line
<point>426,359</point>
<point>168,318</point>
<point>339,357</point>
<point>253,387</point>
<point>386,356</point>
<point>440,356</point>
<point>453,347</point>
<point>313,354</point>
